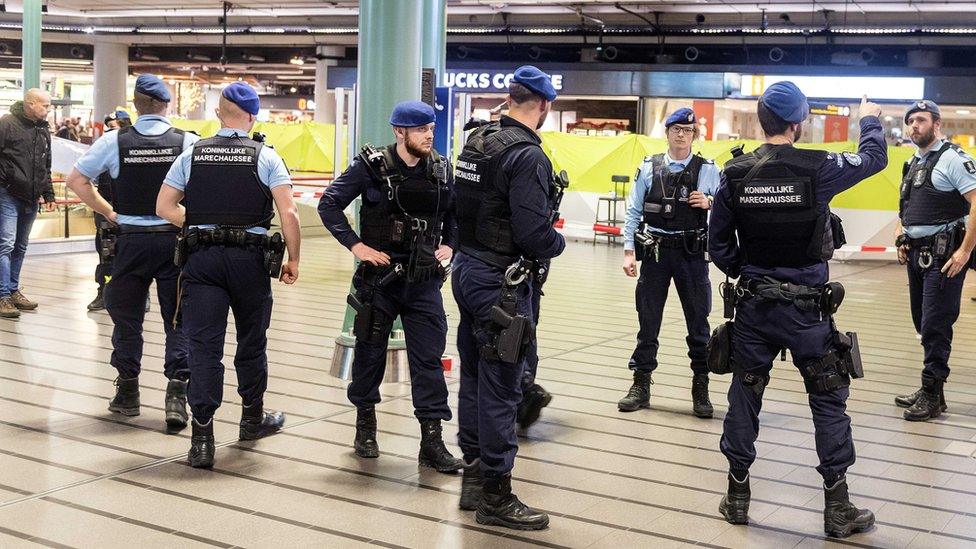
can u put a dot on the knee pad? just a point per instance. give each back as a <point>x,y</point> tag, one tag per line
<point>824,375</point>
<point>756,382</point>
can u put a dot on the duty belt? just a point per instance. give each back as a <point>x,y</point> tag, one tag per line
<point>143,229</point>
<point>197,239</point>
<point>936,247</point>
<point>679,240</point>
<point>826,299</point>
<point>491,258</point>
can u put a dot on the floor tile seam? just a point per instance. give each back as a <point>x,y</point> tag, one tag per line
<point>156,462</point>
<point>671,462</point>
<point>148,388</point>
<point>237,508</point>
<point>781,414</point>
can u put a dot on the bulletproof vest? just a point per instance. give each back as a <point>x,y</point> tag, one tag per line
<point>921,203</point>
<point>400,203</point>
<point>144,161</point>
<point>666,201</point>
<point>483,213</point>
<point>224,188</point>
<point>105,186</point>
<point>775,210</point>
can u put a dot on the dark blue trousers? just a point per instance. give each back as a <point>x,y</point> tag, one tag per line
<point>935,307</point>
<point>141,258</point>
<point>532,355</point>
<point>490,389</point>
<point>217,280</point>
<point>690,275</point>
<point>421,307</point>
<point>762,328</point>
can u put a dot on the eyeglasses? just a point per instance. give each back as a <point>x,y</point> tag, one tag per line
<point>681,130</point>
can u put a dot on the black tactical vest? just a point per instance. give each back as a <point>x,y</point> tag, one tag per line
<point>144,161</point>
<point>483,213</point>
<point>775,211</point>
<point>224,188</point>
<point>105,186</point>
<point>401,203</point>
<point>921,203</point>
<point>666,201</point>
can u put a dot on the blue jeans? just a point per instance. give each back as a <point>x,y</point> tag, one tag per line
<point>16,219</point>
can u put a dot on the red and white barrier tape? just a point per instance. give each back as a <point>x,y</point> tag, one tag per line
<point>868,249</point>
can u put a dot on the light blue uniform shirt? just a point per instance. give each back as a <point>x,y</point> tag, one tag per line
<point>103,156</point>
<point>271,171</point>
<point>708,180</point>
<point>950,173</point>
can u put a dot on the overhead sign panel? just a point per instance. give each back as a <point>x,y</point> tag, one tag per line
<point>883,88</point>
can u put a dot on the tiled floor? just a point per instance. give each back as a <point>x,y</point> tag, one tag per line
<point>71,474</point>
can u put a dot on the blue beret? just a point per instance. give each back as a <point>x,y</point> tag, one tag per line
<point>537,81</point>
<point>681,116</point>
<point>923,106</point>
<point>120,114</point>
<point>410,114</point>
<point>786,101</point>
<point>152,86</point>
<point>243,96</point>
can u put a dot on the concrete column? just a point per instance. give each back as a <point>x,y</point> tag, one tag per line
<point>434,53</point>
<point>31,53</point>
<point>389,64</point>
<point>325,98</point>
<point>389,72</point>
<point>111,71</point>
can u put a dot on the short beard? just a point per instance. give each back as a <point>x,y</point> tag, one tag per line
<point>925,140</point>
<point>414,150</point>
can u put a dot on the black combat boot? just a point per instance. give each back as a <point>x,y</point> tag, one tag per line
<point>701,404</point>
<point>841,518</point>
<point>735,504</point>
<point>256,423</point>
<point>201,454</point>
<point>930,403</point>
<point>500,507</point>
<point>433,453</point>
<point>176,416</point>
<point>472,485</point>
<point>126,400</point>
<point>639,395</point>
<point>906,401</point>
<point>98,303</point>
<point>534,399</point>
<point>365,443</point>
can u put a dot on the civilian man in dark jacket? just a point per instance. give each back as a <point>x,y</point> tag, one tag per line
<point>25,182</point>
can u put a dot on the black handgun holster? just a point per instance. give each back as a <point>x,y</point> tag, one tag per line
<point>513,333</point>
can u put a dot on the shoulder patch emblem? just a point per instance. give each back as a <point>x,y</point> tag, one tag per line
<point>853,159</point>
<point>970,166</point>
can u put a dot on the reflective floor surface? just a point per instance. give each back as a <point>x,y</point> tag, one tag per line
<point>72,474</point>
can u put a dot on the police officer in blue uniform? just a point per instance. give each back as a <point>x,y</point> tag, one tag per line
<point>667,215</point>
<point>103,271</point>
<point>137,159</point>
<point>772,228</point>
<point>935,238</point>
<point>505,190</point>
<point>224,191</point>
<point>407,231</point>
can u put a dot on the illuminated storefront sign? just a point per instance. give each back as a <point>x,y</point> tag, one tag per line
<point>491,81</point>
